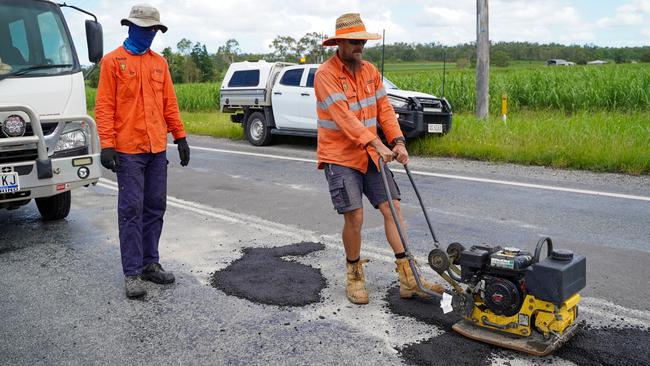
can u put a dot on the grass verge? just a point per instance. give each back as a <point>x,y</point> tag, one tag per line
<point>214,124</point>
<point>600,141</point>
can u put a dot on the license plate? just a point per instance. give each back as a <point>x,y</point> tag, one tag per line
<point>435,128</point>
<point>9,182</point>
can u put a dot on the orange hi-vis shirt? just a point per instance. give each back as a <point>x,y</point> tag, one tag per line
<point>349,109</point>
<point>136,105</point>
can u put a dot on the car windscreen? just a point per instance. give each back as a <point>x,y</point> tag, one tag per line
<point>389,85</point>
<point>34,40</point>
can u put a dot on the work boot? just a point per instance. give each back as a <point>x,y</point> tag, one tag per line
<point>407,285</point>
<point>134,287</point>
<point>155,273</point>
<point>356,283</point>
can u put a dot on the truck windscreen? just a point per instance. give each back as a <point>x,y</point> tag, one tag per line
<point>34,40</point>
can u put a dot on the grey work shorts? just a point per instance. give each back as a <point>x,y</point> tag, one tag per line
<point>347,185</point>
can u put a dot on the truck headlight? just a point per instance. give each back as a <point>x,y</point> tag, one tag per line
<point>71,140</point>
<point>397,102</point>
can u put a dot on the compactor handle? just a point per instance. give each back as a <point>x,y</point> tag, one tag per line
<point>538,248</point>
<point>414,269</point>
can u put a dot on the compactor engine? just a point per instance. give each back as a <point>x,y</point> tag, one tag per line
<point>515,292</point>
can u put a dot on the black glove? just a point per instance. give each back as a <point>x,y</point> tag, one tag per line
<point>183,150</point>
<point>109,159</point>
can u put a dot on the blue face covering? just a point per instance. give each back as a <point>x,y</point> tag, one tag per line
<point>139,39</point>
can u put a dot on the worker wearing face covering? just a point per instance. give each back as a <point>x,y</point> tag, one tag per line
<point>135,109</point>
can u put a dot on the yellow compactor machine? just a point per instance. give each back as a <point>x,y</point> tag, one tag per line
<point>511,298</point>
<point>507,297</point>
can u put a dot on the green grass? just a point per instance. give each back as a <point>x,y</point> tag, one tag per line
<point>577,88</point>
<point>528,86</point>
<point>601,141</point>
<point>590,141</point>
<point>450,66</point>
<point>415,67</point>
<point>195,97</point>
<point>214,124</point>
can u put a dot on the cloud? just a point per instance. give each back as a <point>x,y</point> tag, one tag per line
<point>629,14</point>
<point>255,23</point>
<point>533,21</point>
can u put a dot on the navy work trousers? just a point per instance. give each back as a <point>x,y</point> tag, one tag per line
<point>141,203</point>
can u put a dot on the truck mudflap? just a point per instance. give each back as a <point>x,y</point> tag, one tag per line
<point>39,175</point>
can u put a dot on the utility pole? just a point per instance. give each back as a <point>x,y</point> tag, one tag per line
<point>383,47</point>
<point>482,59</point>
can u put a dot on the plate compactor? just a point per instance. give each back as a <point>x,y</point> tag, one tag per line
<point>506,297</point>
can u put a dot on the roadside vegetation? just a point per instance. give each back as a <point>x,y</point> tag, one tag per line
<point>616,87</point>
<point>583,117</point>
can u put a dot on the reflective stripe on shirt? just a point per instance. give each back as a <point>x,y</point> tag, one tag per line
<point>325,123</point>
<point>331,99</point>
<point>363,103</point>
<point>330,125</point>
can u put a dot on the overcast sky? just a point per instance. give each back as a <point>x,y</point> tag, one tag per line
<point>255,23</point>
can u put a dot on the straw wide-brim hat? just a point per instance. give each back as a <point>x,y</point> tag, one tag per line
<point>144,15</point>
<point>350,26</point>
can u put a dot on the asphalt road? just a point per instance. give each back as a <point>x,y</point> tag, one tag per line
<point>61,288</point>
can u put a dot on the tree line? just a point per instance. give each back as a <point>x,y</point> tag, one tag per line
<point>191,61</point>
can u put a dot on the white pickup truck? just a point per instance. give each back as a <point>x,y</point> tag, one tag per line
<point>270,98</point>
<point>48,143</point>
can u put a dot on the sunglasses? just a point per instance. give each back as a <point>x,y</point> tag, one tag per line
<point>357,42</point>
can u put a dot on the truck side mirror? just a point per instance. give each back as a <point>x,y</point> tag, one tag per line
<point>95,40</point>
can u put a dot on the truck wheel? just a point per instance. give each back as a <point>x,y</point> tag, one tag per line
<point>55,207</point>
<point>257,132</point>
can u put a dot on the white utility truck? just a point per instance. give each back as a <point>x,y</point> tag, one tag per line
<point>48,143</point>
<point>270,98</point>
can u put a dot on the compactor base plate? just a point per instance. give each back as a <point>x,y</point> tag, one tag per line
<point>535,344</point>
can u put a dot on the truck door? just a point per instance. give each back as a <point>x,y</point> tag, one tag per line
<point>286,99</point>
<point>308,102</point>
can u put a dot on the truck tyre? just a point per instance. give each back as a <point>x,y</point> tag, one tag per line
<point>55,207</point>
<point>257,132</point>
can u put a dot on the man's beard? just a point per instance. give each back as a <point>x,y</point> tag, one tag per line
<point>353,63</point>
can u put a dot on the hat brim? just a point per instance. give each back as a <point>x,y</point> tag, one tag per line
<point>144,23</point>
<point>354,35</point>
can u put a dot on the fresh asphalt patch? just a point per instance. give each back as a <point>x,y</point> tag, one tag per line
<point>609,345</point>
<point>263,276</point>
<point>448,348</point>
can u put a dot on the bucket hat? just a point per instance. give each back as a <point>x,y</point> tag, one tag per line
<point>144,15</point>
<point>350,26</point>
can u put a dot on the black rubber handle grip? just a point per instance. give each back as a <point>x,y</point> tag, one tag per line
<point>538,248</point>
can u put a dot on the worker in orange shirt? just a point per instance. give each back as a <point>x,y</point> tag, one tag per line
<point>135,109</point>
<point>351,100</point>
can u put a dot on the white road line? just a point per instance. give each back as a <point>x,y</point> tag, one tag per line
<point>259,223</point>
<point>447,176</point>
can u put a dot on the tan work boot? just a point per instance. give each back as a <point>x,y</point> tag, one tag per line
<point>407,285</point>
<point>356,283</point>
